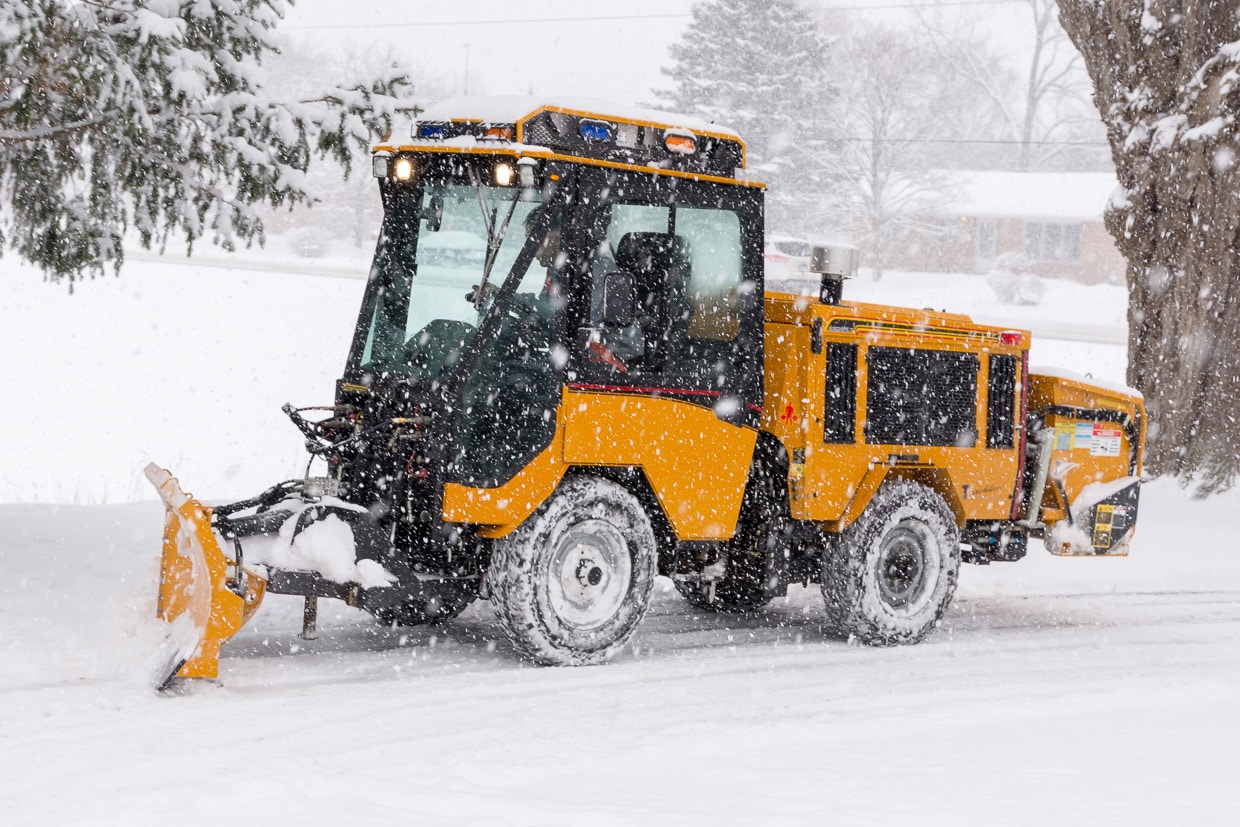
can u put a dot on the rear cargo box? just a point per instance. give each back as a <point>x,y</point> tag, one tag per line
<point>1089,503</point>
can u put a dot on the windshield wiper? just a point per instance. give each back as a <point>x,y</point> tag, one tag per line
<point>494,239</point>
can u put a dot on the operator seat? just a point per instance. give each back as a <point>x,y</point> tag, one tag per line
<point>659,264</point>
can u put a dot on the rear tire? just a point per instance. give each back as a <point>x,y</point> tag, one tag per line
<point>888,578</point>
<point>570,586</point>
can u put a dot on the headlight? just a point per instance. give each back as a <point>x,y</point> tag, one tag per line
<point>403,169</point>
<point>503,175</point>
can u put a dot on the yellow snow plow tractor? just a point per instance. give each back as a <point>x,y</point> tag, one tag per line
<point>568,377</point>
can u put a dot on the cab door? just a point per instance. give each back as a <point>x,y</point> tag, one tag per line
<point>674,386</point>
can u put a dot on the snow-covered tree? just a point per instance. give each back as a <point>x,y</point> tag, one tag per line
<point>1167,82</point>
<point>1042,102</point>
<point>151,115</point>
<point>758,66</point>
<point>889,104</point>
<point>345,207</point>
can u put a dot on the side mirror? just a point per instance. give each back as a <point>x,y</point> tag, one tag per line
<point>617,305</point>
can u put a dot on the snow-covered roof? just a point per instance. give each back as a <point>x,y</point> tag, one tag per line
<point>1074,196</point>
<point>512,108</point>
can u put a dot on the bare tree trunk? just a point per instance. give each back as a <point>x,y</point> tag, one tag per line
<point>1168,97</point>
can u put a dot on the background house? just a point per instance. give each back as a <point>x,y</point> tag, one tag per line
<point>1053,218</point>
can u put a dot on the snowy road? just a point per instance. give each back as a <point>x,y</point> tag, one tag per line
<point>1078,691</point>
<point>1056,691</point>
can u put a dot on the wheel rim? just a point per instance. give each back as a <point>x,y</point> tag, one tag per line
<point>590,573</point>
<point>907,566</point>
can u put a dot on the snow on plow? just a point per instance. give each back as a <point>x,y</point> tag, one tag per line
<point>204,596</point>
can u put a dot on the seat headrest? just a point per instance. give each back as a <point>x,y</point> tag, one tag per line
<point>647,252</point>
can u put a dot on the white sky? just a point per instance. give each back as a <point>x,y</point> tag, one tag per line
<point>553,47</point>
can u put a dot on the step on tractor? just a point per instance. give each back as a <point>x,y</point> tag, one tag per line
<point>568,377</point>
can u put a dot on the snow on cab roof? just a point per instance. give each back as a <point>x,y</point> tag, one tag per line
<point>513,108</point>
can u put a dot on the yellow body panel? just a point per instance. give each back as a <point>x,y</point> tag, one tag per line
<point>832,483</point>
<point>500,510</point>
<point>697,464</point>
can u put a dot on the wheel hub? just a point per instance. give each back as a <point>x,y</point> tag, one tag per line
<point>905,566</point>
<point>590,573</point>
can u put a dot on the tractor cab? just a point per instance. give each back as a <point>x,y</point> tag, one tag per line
<point>560,288</point>
<point>529,249</point>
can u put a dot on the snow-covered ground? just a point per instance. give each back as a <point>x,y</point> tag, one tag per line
<point>1067,691</point>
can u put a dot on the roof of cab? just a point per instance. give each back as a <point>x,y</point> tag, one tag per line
<point>586,130</point>
<point>514,108</point>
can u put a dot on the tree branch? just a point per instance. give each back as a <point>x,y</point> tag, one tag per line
<point>8,136</point>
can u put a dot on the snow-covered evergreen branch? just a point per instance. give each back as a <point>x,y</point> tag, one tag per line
<point>152,115</point>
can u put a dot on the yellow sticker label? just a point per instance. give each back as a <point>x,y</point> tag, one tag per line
<point>1104,517</point>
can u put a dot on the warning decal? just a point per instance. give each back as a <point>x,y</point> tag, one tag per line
<point>1104,441</point>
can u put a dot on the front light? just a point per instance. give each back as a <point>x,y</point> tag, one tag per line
<point>403,169</point>
<point>379,165</point>
<point>503,175</point>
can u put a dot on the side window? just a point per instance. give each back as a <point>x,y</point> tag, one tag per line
<point>633,218</point>
<point>693,322</point>
<point>1001,409</point>
<point>713,241</point>
<point>636,241</point>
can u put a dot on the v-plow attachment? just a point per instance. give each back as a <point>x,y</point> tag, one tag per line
<point>204,596</point>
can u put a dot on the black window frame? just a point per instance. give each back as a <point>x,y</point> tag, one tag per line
<point>741,378</point>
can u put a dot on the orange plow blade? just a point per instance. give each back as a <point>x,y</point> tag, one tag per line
<point>204,596</point>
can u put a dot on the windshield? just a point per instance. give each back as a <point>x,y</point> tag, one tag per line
<point>444,251</point>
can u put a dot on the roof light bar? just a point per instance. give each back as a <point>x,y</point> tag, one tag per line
<point>595,130</point>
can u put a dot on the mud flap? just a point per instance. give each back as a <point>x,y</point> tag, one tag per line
<point>1104,519</point>
<point>202,597</point>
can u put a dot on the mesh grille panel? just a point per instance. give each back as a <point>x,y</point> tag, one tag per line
<point>1001,409</point>
<point>921,397</point>
<point>840,410</point>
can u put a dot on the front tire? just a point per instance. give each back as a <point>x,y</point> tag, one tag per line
<point>889,577</point>
<point>570,586</point>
